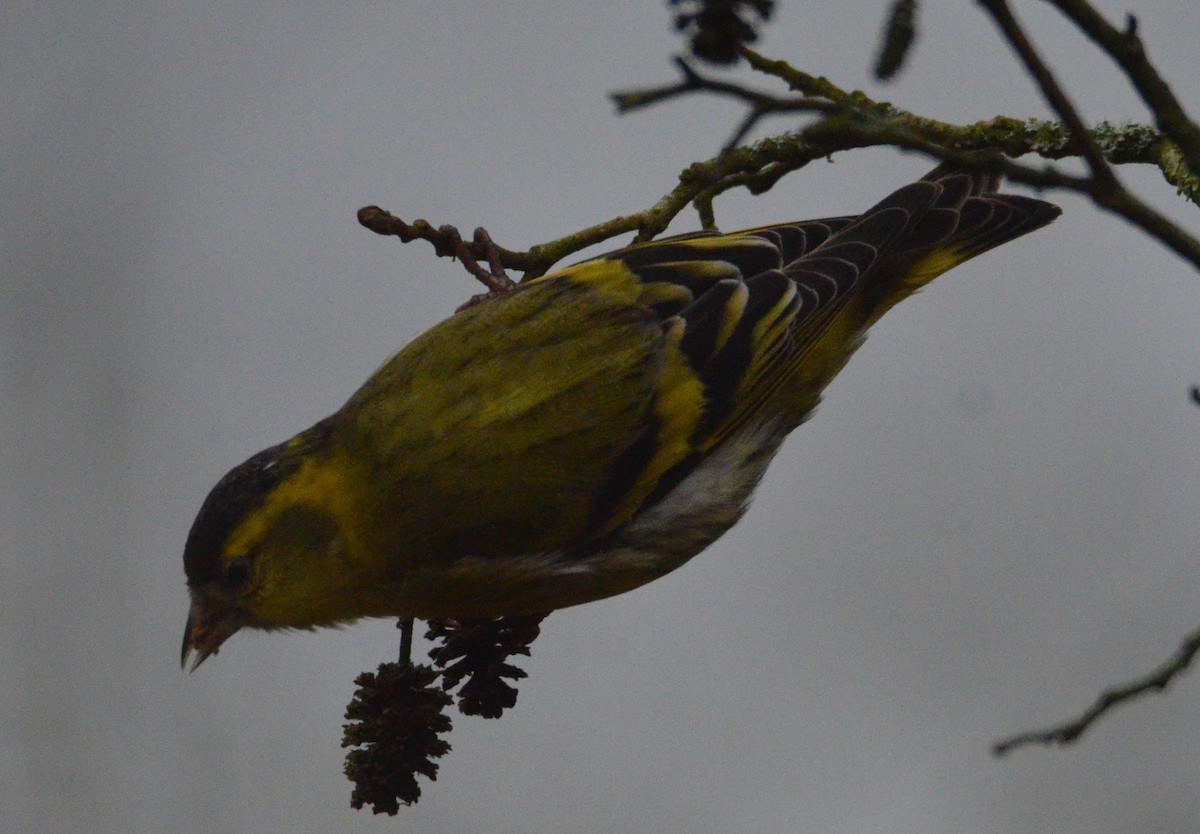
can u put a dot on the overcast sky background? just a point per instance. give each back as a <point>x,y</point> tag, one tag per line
<point>991,518</point>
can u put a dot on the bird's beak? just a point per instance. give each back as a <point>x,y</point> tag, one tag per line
<point>208,626</point>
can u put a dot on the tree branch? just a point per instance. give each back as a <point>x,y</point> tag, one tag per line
<point>1127,51</point>
<point>761,104</point>
<point>1058,100</point>
<point>848,120</point>
<point>1071,731</point>
<point>1103,186</point>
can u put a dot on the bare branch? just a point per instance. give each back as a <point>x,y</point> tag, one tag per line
<point>1058,100</point>
<point>1069,732</point>
<point>757,167</point>
<point>1121,202</point>
<point>848,120</point>
<point>446,241</point>
<point>761,104</point>
<point>1126,49</point>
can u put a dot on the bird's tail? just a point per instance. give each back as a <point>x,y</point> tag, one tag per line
<point>868,264</point>
<point>947,217</point>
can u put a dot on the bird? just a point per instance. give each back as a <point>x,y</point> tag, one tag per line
<point>579,436</point>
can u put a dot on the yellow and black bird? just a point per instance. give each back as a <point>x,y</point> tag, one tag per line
<point>579,436</point>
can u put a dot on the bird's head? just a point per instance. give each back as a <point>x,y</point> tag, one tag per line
<point>269,546</point>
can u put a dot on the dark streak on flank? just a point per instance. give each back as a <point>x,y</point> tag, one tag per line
<point>624,472</point>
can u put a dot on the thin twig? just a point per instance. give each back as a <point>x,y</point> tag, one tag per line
<point>761,104</point>
<point>1122,203</point>
<point>1048,84</point>
<point>800,81</point>
<point>1069,732</point>
<point>757,167</point>
<point>1126,49</point>
<point>1102,186</point>
<point>445,239</point>
<point>849,119</point>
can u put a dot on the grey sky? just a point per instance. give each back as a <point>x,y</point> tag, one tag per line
<point>991,517</point>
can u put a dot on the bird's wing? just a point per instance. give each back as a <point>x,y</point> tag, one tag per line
<point>490,433</point>
<point>556,413</point>
<point>770,315</point>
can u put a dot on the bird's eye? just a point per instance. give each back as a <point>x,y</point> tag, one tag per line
<point>237,573</point>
